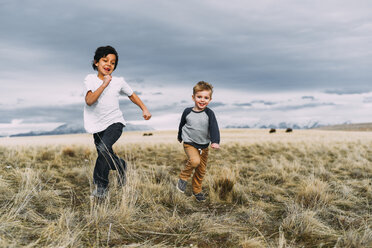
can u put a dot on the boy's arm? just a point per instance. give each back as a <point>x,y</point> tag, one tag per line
<point>182,123</point>
<point>136,100</point>
<point>214,131</point>
<point>92,97</point>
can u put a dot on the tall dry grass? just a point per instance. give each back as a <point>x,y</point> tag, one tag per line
<point>284,192</point>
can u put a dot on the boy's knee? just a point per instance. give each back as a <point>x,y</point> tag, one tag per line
<point>194,162</point>
<point>103,149</point>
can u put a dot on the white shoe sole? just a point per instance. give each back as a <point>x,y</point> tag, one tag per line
<point>183,192</point>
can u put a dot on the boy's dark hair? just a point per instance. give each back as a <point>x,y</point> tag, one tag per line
<point>200,86</point>
<point>102,52</point>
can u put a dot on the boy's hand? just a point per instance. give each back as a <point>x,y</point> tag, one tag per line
<point>215,146</point>
<point>107,80</point>
<point>146,114</point>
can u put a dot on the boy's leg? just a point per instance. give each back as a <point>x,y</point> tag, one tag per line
<point>107,159</point>
<point>122,172</point>
<point>199,173</point>
<point>193,160</point>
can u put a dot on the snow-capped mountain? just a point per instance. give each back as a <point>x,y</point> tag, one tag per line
<point>284,125</point>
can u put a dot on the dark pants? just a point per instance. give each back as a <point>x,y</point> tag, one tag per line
<point>107,159</point>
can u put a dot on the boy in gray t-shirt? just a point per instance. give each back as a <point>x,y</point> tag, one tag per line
<point>198,128</point>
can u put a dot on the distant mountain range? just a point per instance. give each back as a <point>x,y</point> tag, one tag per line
<point>346,126</point>
<point>281,125</point>
<point>77,128</point>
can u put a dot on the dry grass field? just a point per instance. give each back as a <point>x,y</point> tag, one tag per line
<point>309,188</point>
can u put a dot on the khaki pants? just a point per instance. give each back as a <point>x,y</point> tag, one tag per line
<point>197,160</point>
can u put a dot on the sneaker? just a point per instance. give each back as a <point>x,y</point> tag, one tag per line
<point>99,192</point>
<point>200,197</point>
<point>181,185</point>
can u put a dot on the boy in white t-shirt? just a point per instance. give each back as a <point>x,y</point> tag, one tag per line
<point>103,118</point>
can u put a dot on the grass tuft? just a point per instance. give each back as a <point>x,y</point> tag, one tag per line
<point>68,152</point>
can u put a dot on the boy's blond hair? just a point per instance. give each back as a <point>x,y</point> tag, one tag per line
<point>200,86</point>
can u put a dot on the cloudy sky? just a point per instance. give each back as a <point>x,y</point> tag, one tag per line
<point>269,61</point>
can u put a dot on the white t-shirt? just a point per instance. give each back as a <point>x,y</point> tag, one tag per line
<point>105,111</point>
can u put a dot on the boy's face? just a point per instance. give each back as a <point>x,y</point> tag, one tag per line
<point>106,65</point>
<point>201,99</point>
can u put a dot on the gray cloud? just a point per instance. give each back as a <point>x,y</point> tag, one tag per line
<point>264,102</point>
<point>367,99</point>
<point>72,113</point>
<point>267,46</point>
<point>303,106</point>
<point>283,107</point>
<point>346,91</point>
<point>308,97</point>
<point>216,104</point>
<point>247,104</point>
<point>67,113</point>
<point>248,46</point>
<point>252,103</point>
<point>135,80</point>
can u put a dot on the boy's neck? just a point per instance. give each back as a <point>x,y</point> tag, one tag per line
<point>100,76</point>
<point>198,110</point>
